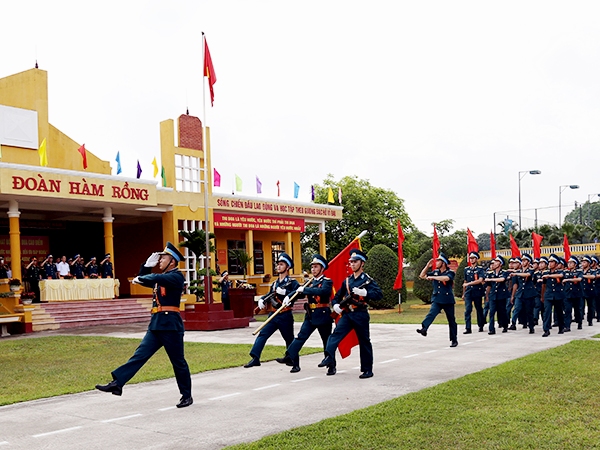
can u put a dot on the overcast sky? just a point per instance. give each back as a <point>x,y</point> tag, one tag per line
<point>443,102</point>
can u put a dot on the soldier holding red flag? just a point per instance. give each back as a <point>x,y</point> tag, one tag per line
<point>350,302</point>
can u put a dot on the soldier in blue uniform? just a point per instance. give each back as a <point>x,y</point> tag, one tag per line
<point>573,293</point>
<point>553,295</point>
<point>49,268</point>
<point>33,274</point>
<point>442,297</point>
<point>588,288</point>
<point>279,295</point>
<point>166,326</point>
<point>3,268</point>
<point>77,269</point>
<point>351,303</point>
<point>539,265</point>
<point>514,264</point>
<point>91,268</point>
<point>497,291</point>
<point>526,294</point>
<point>473,292</point>
<point>106,267</point>
<point>596,310</point>
<point>318,313</point>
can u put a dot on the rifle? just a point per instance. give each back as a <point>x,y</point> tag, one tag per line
<point>348,300</point>
<point>272,297</point>
<point>292,298</point>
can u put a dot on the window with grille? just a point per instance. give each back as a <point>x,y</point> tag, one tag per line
<point>187,173</point>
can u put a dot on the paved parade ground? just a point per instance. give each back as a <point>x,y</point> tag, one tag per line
<point>242,405</point>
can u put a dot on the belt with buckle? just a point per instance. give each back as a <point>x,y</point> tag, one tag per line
<point>158,309</point>
<point>318,305</point>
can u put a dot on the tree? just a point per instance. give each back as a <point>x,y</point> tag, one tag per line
<point>239,257</point>
<point>585,214</point>
<point>195,242</point>
<point>459,278</point>
<point>382,265</point>
<point>484,241</point>
<point>366,207</point>
<point>422,288</point>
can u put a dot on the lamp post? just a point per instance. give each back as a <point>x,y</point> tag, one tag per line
<point>560,191</point>
<point>521,175</point>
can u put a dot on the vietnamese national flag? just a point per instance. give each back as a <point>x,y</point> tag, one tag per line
<point>398,282</point>
<point>493,245</point>
<point>472,245</point>
<point>537,244</point>
<point>514,248</point>
<point>338,270</point>
<point>436,245</point>
<point>83,155</point>
<point>566,248</point>
<point>209,72</point>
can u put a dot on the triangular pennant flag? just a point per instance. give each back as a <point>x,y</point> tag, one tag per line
<point>537,244</point>
<point>493,245</point>
<point>163,176</point>
<point>515,252</point>
<point>258,186</point>
<point>43,154</point>
<point>118,159</point>
<point>238,184</point>
<point>398,282</point>
<point>83,155</point>
<point>296,189</point>
<point>330,196</point>
<point>209,72</point>
<point>340,194</point>
<point>216,178</point>
<point>278,190</point>
<point>436,244</point>
<point>312,193</point>
<point>155,167</point>
<point>472,245</point>
<point>566,248</point>
<point>139,169</point>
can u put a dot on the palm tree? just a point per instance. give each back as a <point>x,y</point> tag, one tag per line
<point>195,241</point>
<point>242,258</point>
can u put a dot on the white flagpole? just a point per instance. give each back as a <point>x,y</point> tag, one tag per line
<point>207,279</point>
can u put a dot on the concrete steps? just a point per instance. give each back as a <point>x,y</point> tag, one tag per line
<point>203,317</point>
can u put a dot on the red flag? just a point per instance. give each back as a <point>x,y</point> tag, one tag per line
<point>514,248</point>
<point>339,269</point>
<point>83,155</point>
<point>493,245</point>
<point>398,282</point>
<point>436,244</point>
<point>566,247</point>
<point>472,245</point>
<point>209,71</point>
<point>278,192</point>
<point>537,244</point>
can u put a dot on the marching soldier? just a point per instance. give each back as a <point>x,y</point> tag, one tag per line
<point>526,294</point>
<point>166,327</point>
<point>497,294</point>
<point>106,267</point>
<point>318,314</point>
<point>473,291</point>
<point>588,288</point>
<point>553,295</point>
<point>442,297</point>
<point>539,265</point>
<point>573,296</point>
<point>596,268</point>
<point>279,295</point>
<point>350,302</point>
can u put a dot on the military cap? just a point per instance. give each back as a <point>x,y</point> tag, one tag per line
<point>544,259</point>
<point>574,259</point>
<point>500,259</point>
<point>318,259</point>
<point>517,259</point>
<point>528,257</point>
<point>76,256</point>
<point>224,273</point>
<point>107,255</point>
<point>444,259</point>
<point>595,259</point>
<point>586,258</point>
<point>555,258</point>
<point>474,255</point>
<point>49,256</point>
<point>356,254</point>
<point>171,250</point>
<point>284,257</point>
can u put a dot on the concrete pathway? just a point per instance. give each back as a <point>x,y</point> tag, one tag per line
<point>242,405</point>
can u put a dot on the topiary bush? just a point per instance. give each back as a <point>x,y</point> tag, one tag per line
<point>459,278</point>
<point>382,265</point>
<point>423,288</point>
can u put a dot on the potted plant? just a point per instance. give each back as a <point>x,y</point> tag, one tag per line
<point>243,259</point>
<point>14,284</point>
<point>197,286</point>
<point>27,298</point>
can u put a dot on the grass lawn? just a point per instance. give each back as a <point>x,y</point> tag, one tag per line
<point>47,366</point>
<point>549,400</point>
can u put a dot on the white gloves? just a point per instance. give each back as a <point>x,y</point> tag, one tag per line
<point>136,280</point>
<point>280,291</point>
<point>152,260</point>
<point>300,290</point>
<point>261,303</point>
<point>361,292</point>
<point>338,309</point>
<point>286,302</point>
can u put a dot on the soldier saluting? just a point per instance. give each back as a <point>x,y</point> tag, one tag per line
<point>351,302</point>
<point>318,314</point>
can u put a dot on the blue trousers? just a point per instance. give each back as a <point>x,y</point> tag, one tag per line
<point>306,330</point>
<point>359,322</point>
<point>524,308</point>
<point>437,308</point>
<point>470,301</point>
<point>538,308</point>
<point>591,308</point>
<point>284,322</point>
<point>572,307</point>
<point>557,306</point>
<point>498,306</point>
<point>172,341</point>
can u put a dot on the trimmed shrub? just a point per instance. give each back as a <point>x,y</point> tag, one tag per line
<point>423,288</point>
<point>382,265</point>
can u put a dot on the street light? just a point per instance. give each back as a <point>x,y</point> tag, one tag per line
<point>560,191</point>
<point>525,172</point>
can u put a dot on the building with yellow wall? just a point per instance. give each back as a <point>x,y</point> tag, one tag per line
<point>65,210</point>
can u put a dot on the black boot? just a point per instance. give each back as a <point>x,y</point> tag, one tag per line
<point>253,362</point>
<point>111,387</point>
<point>422,331</point>
<point>285,360</point>
<point>326,361</point>
<point>331,370</point>
<point>185,402</point>
<point>295,369</point>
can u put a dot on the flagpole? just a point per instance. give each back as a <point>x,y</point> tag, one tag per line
<point>207,279</point>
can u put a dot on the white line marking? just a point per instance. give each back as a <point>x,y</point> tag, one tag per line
<point>55,432</point>
<point>467,343</point>
<point>225,396</point>
<point>267,387</point>
<point>166,409</point>
<point>481,340</point>
<point>344,371</point>
<point>431,351</point>
<point>388,361</point>
<point>410,356</point>
<point>3,442</point>
<point>356,368</point>
<point>121,418</point>
<point>303,379</point>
